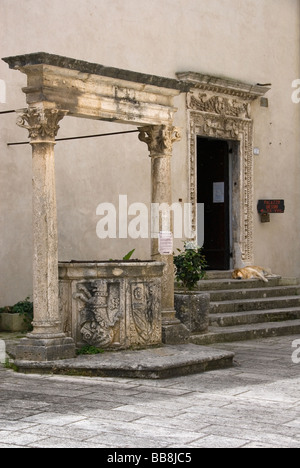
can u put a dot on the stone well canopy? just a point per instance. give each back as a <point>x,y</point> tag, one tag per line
<point>95,91</point>
<point>59,86</point>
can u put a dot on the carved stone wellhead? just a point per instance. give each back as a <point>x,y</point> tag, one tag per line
<point>113,305</point>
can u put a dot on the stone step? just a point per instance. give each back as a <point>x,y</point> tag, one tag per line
<point>225,284</point>
<point>250,304</point>
<point>247,332</point>
<point>257,316</point>
<point>153,363</point>
<point>255,293</point>
<point>215,274</point>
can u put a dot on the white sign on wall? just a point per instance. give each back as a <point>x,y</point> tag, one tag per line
<point>165,243</point>
<point>219,192</point>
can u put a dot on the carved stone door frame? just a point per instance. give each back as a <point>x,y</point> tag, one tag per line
<point>221,109</point>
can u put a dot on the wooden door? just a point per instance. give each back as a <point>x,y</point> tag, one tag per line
<point>213,192</point>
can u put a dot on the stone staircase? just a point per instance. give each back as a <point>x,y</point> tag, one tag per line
<point>246,310</point>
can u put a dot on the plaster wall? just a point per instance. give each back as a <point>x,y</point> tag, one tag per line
<point>256,41</point>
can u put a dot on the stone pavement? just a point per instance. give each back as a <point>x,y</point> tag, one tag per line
<point>254,404</point>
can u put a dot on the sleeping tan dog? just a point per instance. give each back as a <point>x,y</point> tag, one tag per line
<point>252,272</point>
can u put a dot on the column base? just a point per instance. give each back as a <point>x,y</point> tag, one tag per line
<point>45,348</point>
<point>173,331</point>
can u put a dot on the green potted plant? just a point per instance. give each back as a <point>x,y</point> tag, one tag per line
<point>192,306</point>
<point>190,265</point>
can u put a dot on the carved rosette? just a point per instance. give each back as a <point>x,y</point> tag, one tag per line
<point>159,138</point>
<point>42,124</point>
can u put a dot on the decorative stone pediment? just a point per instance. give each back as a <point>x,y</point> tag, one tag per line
<point>225,86</point>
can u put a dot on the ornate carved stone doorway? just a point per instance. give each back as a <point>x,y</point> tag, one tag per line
<point>221,109</point>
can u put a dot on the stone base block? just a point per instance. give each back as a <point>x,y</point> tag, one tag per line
<point>12,322</point>
<point>174,332</point>
<point>45,349</point>
<point>192,309</point>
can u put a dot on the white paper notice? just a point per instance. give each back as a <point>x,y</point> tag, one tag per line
<point>219,189</point>
<point>165,246</point>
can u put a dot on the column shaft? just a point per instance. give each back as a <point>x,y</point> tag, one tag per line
<point>160,141</point>
<point>45,246</point>
<point>47,341</point>
<point>162,193</point>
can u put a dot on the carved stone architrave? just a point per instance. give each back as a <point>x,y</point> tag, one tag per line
<point>215,115</point>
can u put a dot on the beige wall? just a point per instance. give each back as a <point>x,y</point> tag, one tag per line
<point>250,40</point>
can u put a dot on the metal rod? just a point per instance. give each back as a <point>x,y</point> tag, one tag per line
<point>20,143</point>
<point>79,137</point>
<point>96,136</point>
<point>7,112</point>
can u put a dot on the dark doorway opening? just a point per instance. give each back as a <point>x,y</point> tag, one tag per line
<point>213,190</point>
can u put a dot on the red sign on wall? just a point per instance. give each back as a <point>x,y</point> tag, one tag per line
<point>270,206</point>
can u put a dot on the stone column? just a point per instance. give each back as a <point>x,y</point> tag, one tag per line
<point>160,141</point>
<point>47,341</point>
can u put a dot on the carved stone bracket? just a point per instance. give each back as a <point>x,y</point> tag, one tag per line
<point>159,138</point>
<point>42,124</point>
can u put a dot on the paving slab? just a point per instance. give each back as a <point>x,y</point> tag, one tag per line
<point>154,363</point>
<point>233,407</point>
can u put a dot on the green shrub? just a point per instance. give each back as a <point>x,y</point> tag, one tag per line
<point>23,308</point>
<point>190,266</point>
<point>89,350</point>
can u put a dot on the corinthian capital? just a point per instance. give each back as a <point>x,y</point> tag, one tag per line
<point>159,138</point>
<point>42,124</point>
